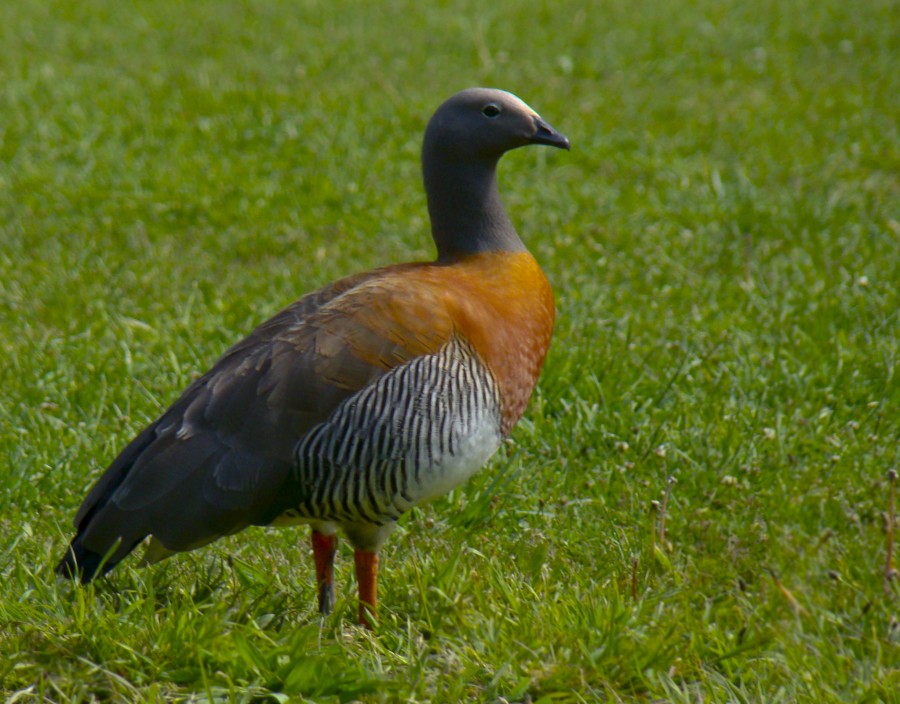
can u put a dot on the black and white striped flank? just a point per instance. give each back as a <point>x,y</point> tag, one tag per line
<point>414,434</point>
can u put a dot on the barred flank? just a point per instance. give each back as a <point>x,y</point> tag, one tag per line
<point>380,450</point>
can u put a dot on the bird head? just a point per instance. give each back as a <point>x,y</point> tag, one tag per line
<point>484,123</point>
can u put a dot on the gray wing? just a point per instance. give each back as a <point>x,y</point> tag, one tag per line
<point>217,460</point>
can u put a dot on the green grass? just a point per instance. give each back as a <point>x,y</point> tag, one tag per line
<point>724,241</point>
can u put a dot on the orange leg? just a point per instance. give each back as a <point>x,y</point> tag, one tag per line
<point>324,547</point>
<point>367,578</point>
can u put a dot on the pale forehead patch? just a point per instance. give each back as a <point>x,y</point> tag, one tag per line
<point>517,101</point>
<point>511,101</point>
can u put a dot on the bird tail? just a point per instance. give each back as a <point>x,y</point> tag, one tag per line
<point>80,562</point>
<point>84,564</point>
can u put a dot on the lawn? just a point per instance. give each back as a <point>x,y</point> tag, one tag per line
<point>696,506</point>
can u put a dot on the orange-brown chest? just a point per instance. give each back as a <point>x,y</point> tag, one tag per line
<point>503,305</point>
<point>500,303</point>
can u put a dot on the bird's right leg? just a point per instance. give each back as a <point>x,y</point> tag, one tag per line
<point>324,547</point>
<point>367,579</point>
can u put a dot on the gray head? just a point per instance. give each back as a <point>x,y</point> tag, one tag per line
<point>463,143</point>
<point>480,123</point>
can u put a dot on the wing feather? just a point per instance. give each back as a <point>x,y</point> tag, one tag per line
<point>220,457</point>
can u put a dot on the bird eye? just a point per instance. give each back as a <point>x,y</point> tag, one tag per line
<point>491,110</point>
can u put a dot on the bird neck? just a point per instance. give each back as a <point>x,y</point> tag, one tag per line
<point>467,215</point>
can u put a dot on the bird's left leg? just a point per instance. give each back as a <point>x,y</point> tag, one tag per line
<point>324,548</point>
